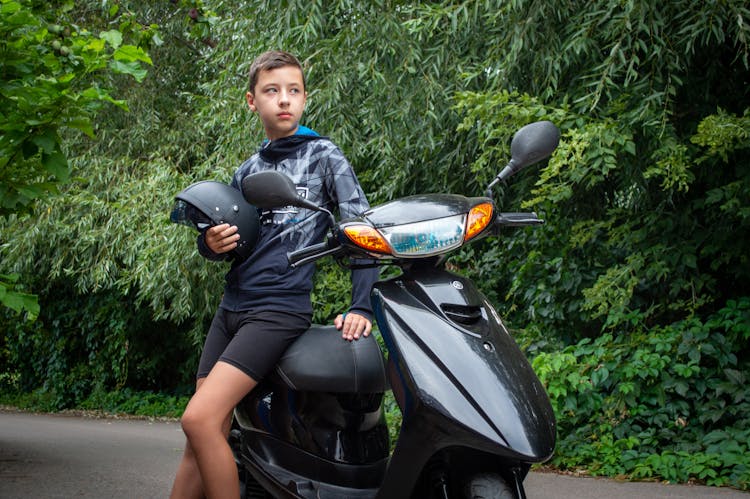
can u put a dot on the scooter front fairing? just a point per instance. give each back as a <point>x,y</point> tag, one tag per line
<point>454,363</point>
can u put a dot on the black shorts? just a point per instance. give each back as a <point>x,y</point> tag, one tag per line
<point>252,341</point>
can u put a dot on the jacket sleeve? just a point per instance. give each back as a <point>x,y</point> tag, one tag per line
<point>362,281</point>
<point>207,252</point>
<point>351,200</point>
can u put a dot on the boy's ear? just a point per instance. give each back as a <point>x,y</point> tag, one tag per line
<point>250,98</point>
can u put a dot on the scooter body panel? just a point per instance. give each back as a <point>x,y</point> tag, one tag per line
<point>320,434</point>
<point>453,355</point>
<point>462,383</point>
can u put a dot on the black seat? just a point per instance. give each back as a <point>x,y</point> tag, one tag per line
<point>321,361</point>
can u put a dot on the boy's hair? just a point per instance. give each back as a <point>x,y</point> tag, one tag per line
<point>271,60</point>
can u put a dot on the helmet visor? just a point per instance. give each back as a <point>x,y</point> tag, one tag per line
<point>187,214</point>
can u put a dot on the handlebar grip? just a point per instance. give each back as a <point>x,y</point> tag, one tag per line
<point>518,219</point>
<point>295,257</point>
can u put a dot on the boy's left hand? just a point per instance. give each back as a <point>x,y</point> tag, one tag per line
<point>352,325</point>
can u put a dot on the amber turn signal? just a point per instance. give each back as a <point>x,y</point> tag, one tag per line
<point>367,238</point>
<point>478,219</point>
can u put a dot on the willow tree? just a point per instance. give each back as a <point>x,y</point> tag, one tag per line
<point>82,248</point>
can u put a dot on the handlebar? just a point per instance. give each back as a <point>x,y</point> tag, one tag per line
<point>517,219</point>
<point>331,246</point>
<point>307,255</point>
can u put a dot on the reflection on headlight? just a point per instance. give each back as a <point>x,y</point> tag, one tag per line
<point>426,238</point>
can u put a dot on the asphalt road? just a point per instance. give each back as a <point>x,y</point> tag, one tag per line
<point>53,456</point>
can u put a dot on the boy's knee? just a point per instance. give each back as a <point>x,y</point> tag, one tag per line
<point>191,422</point>
<point>197,422</point>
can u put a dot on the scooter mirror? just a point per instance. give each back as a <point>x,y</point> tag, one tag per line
<point>532,143</point>
<point>272,189</point>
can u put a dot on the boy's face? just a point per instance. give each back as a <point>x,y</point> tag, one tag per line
<point>279,99</point>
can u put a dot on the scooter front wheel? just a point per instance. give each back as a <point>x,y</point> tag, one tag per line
<point>488,486</point>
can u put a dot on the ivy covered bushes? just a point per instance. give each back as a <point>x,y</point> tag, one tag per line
<point>671,402</point>
<point>105,344</point>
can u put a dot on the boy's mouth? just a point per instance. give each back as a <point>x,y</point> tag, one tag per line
<point>284,116</point>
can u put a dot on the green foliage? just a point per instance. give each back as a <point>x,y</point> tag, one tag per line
<point>109,231</point>
<point>331,294</point>
<point>103,344</point>
<point>52,75</point>
<point>125,401</point>
<point>139,403</point>
<point>646,199</point>
<point>380,78</point>
<point>52,70</point>
<point>16,300</point>
<point>436,118</point>
<point>723,133</point>
<point>672,402</point>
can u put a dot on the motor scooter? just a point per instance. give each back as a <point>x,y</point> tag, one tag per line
<point>474,415</point>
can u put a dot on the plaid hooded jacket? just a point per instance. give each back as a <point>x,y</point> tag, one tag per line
<point>265,281</point>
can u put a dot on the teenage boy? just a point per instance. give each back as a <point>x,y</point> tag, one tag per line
<point>266,304</point>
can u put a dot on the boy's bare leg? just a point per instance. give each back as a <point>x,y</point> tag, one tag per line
<point>206,422</point>
<point>187,482</point>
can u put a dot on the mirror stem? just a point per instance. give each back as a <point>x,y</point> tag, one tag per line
<point>503,175</point>
<point>331,218</point>
<point>489,187</point>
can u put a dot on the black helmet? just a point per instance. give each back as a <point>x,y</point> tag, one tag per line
<point>208,203</point>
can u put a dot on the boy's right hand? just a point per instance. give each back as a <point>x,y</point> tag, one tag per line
<point>221,238</point>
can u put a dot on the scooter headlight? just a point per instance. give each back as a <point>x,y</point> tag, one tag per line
<point>425,238</point>
<point>430,237</point>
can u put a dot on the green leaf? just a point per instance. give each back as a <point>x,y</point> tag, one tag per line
<point>15,300</point>
<point>9,8</point>
<point>129,53</point>
<point>37,190</point>
<point>95,93</point>
<point>57,164</point>
<point>113,37</point>
<point>681,387</point>
<point>48,141</point>
<point>95,45</point>
<point>156,40</point>
<point>81,123</point>
<point>131,68</point>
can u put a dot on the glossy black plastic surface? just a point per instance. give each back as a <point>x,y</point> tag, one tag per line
<point>292,472</point>
<point>463,385</point>
<point>533,143</point>
<point>345,428</point>
<point>454,356</point>
<point>419,208</point>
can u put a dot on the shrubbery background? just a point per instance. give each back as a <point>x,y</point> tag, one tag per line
<point>632,300</point>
